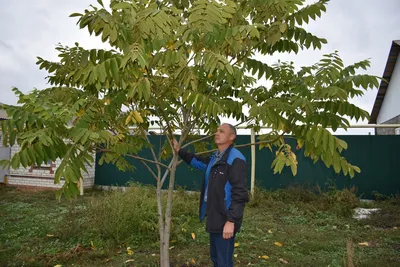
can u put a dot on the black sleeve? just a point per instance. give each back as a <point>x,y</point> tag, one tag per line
<point>240,195</point>
<point>188,156</point>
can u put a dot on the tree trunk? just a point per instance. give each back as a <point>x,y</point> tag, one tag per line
<point>164,244</point>
<point>160,220</point>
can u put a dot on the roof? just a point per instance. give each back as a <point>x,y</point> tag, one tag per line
<point>387,74</point>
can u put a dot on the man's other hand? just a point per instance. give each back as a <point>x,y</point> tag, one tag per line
<point>228,230</point>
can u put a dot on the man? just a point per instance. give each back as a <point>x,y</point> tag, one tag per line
<point>224,193</point>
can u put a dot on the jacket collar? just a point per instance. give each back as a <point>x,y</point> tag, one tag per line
<point>226,154</point>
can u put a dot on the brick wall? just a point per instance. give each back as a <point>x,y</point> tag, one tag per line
<point>388,131</point>
<point>32,181</point>
<point>88,179</point>
<point>43,176</point>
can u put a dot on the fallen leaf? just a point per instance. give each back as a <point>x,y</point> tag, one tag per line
<point>263,257</point>
<point>235,255</point>
<point>173,241</point>
<point>130,260</point>
<point>193,261</point>
<point>129,251</point>
<point>107,260</point>
<point>49,235</point>
<point>193,236</point>
<point>171,247</point>
<point>153,255</point>
<point>365,244</point>
<point>278,244</point>
<point>395,228</point>
<point>269,231</point>
<point>58,265</point>
<point>184,230</point>
<point>236,245</point>
<point>283,261</point>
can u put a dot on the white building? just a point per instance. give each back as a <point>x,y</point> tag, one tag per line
<point>35,176</point>
<point>386,108</point>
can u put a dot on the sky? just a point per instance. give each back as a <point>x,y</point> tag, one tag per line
<point>358,29</point>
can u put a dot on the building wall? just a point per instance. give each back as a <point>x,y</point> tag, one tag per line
<point>43,176</point>
<point>388,131</point>
<point>390,107</point>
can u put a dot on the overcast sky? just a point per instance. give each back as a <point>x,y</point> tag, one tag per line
<point>358,29</point>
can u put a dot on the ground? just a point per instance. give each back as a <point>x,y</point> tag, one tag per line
<point>291,227</point>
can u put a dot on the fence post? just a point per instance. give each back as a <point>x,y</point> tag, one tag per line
<point>81,186</point>
<point>253,161</point>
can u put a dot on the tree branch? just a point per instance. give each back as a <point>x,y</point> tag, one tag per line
<point>206,137</point>
<point>137,157</point>
<point>244,145</point>
<point>152,152</point>
<point>166,173</point>
<point>150,170</point>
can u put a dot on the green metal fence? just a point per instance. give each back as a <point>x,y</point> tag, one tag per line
<point>377,156</point>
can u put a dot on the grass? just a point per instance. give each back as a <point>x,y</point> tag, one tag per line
<point>313,229</point>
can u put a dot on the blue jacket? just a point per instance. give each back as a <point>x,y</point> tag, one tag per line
<point>227,187</point>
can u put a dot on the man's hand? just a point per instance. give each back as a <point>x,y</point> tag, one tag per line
<point>228,230</point>
<point>176,145</point>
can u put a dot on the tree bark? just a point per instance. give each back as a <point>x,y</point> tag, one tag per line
<point>164,248</point>
<point>160,220</point>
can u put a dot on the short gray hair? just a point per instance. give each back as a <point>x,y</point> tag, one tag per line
<point>233,129</point>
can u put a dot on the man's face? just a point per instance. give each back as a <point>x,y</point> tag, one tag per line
<point>224,135</point>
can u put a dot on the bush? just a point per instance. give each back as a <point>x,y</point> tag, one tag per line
<point>339,202</point>
<point>124,216</point>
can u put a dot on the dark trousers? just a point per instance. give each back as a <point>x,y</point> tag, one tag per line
<point>221,250</point>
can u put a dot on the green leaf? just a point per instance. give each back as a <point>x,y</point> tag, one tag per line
<point>336,163</point>
<point>318,136</point>
<point>121,5</point>
<point>114,69</point>
<point>283,27</point>
<point>293,167</point>
<point>325,140</point>
<point>24,158</point>
<point>93,58</point>
<point>13,136</point>
<point>342,143</point>
<point>357,169</point>
<point>76,15</point>
<point>70,175</point>
<point>332,143</point>
<point>15,161</point>
<point>113,35</point>
<point>31,154</point>
<point>351,172</point>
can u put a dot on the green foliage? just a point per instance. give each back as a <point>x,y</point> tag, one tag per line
<point>182,65</point>
<point>312,229</point>
<point>116,215</point>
